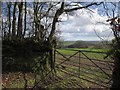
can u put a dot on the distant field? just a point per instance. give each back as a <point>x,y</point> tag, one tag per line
<point>66,43</point>
<point>84,44</point>
<point>88,70</point>
<point>68,51</point>
<point>87,49</point>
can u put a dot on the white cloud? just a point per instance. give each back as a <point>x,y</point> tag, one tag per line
<point>82,24</point>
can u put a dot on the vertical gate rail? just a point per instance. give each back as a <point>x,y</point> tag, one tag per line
<point>79,63</point>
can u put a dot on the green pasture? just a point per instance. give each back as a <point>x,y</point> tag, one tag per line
<point>96,73</point>
<point>71,81</point>
<point>70,51</point>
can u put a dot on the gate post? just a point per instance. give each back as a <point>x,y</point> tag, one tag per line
<point>79,63</point>
<point>54,58</point>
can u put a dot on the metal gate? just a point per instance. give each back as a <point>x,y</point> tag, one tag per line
<point>88,66</point>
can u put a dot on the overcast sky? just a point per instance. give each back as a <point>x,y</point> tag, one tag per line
<point>84,25</point>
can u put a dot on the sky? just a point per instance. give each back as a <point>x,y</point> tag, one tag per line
<point>85,25</point>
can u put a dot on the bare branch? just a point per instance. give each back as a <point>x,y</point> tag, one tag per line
<point>57,14</point>
<point>77,8</point>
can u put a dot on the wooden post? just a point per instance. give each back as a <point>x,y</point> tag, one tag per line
<point>79,63</point>
<point>54,58</point>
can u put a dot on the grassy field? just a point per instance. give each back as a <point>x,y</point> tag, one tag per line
<point>89,54</point>
<point>70,72</point>
<point>88,69</point>
<point>68,50</point>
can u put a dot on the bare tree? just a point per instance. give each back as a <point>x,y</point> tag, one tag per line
<point>25,4</point>
<point>114,52</point>
<point>51,36</point>
<point>20,19</point>
<point>9,19</point>
<point>63,9</point>
<point>14,22</point>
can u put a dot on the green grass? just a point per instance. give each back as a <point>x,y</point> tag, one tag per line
<point>71,81</point>
<point>100,75</point>
<point>69,51</point>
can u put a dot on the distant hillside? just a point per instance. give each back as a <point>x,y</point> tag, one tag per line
<point>83,44</point>
<point>64,44</point>
<point>67,43</point>
<point>88,44</point>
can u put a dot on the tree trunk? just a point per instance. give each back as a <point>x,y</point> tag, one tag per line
<point>116,71</point>
<point>20,18</point>
<point>9,20</point>
<point>35,18</point>
<point>116,53</point>
<point>25,19</point>
<point>55,20</point>
<point>14,22</point>
<point>0,12</point>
